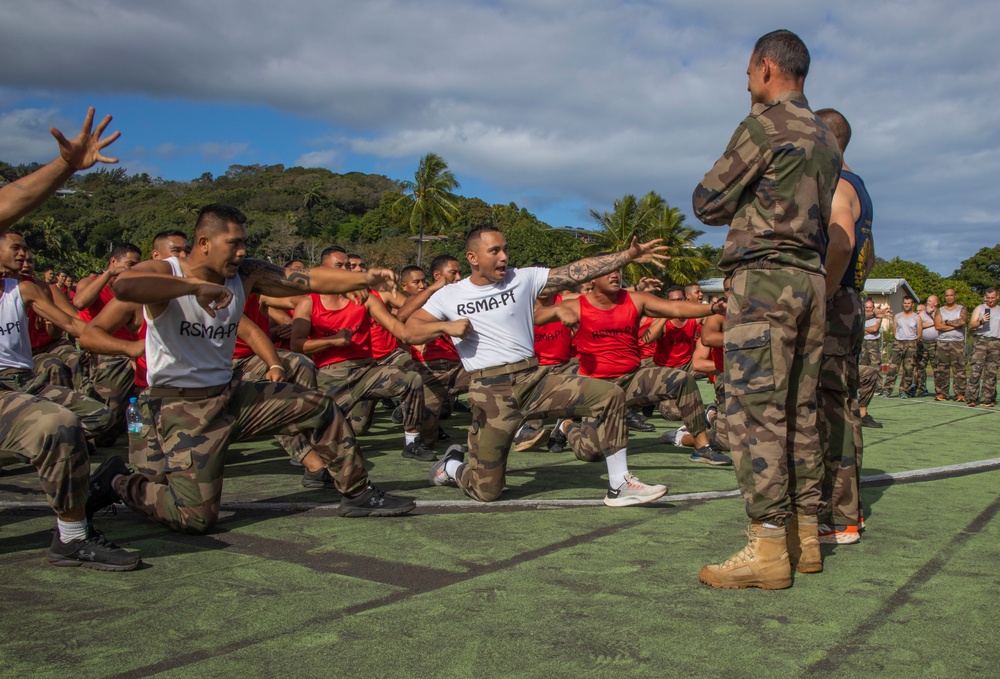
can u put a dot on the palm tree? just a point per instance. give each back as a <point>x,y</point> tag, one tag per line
<point>645,220</point>
<point>429,198</point>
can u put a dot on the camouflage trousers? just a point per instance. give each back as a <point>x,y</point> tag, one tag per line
<point>112,380</point>
<point>950,368</point>
<point>870,378</point>
<point>501,401</point>
<point>645,386</point>
<point>94,417</point>
<point>64,365</point>
<point>926,356</point>
<point>774,348</point>
<point>570,367</point>
<point>181,449</point>
<point>299,369</point>
<point>985,362</point>
<point>669,409</point>
<point>443,379</point>
<point>871,353</point>
<point>904,354</point>
<point>352,381</point>
<point>363,412</point>
<point>48,437</point>
<point>839,414</point>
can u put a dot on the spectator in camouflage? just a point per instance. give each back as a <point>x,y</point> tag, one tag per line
<point>927,346</point>
<point>985,361</point>
<point>906,328</point>
<point>950,369</point>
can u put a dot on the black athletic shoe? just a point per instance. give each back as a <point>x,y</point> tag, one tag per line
<point>374,502</point>
<point>637,422</point>
<point>397,415</point>
<point>418,450</point>
<point>102,494</point>
<point>443,435</point>
<point>94,551</point>
<point>320,479</point>
<point>388,404</point>
<point>869,421</point>
<point>557,439</point>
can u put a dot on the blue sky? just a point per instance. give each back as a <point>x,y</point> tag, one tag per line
<point>561,106</point>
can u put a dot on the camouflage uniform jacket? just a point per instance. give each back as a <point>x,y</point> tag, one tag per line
<point>773,186</point>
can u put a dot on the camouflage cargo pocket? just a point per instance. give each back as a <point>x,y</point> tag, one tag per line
<point>749,364</point>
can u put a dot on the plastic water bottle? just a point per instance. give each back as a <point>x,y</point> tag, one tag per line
<point>133,416</point>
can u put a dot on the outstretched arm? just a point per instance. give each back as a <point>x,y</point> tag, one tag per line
<point>97,337</point>
<point>35,297</point>
<point>422,327</point>
<point>275,281</point>
<point>20,197</point>
<point>581,271</point>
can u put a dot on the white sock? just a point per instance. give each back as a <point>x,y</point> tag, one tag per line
<point>409,438</point>
<point>617,468</point>
<point>768,525</point>
<point>71,530</point>
<point>451,468</point>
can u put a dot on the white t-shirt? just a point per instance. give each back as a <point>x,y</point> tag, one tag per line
<point>185,347</point>
<point>15,343</point>
<point>502,316</point>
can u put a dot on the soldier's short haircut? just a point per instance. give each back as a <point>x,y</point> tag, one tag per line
<point>838,124</point>
<point>909,297</point>
<point>989,290</point>
<point>441,261</point>
<point>674,288</point>
<point>215,217</point>
<point>329,251</point>
<point>475,233</point>
<point>407,270</point>
<point>122,249</point>
<point>689,287</point>
<point>163,235</point>
<point>786,50</point>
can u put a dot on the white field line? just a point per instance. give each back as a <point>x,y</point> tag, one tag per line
<point>910,476</point>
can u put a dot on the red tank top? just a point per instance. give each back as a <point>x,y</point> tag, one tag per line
<point>553,342</point>
<point>326,322</point>
<point>36,325</point>
<point>675,347</point>
<point>102,300</point>
<point>440,349</point>
<point>252,310</point>
<point>383,341</point>
<point>608,341</point>
<point>646,349</point>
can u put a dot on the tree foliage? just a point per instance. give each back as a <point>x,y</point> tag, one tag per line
<point>982,270</point>
<point>429,199</point>
<point>924,281</point>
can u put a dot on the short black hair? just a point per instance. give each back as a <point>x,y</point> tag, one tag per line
<point>214,217</point>
<point>476,232</point>
<point>439,262</point>
<point>674,288</point>
<point>121,249</point>
<point>909,297</point>
<point>786,50</point>
<point>171,233</point>
<point>329,251</point>
<point>407,270</point>
<point>838,124</point>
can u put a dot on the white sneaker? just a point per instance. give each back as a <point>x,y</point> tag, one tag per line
<point>633,492</point>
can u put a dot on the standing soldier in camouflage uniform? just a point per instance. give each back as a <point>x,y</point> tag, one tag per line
<point>871,349</point>
<point>47,435</point>
<point>927,346</point>
<point>906,329</point>
<point>506,385</point>
<point>950,320</point>
<point>985,361</point>
<point>194,408</point>
<point>850,257</point>
<point>773,186</point>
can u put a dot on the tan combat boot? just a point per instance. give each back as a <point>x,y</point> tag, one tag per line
<point>762,563</point>
<point>803,544</point>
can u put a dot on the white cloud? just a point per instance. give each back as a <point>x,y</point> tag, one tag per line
<point>556,101</point>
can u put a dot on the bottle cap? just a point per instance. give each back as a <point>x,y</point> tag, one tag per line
<point>132,399</point>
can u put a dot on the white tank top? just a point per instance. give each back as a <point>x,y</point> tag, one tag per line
<point>906,328</point>
<point>956,335</point>
<point>991,330</point>
<point>185,347</point>
<point>870,322</point>
<point>15,343</point>
<point>930,332</point>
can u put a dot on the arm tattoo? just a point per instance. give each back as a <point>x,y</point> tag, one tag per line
<point>581,271</point>
<point>271,279</point>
